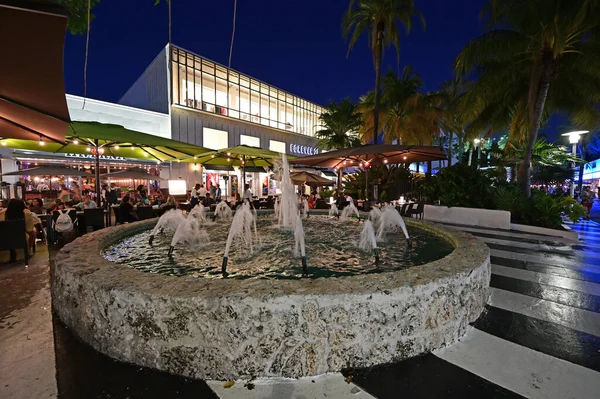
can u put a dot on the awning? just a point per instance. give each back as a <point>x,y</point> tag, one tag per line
<point>132,173</point>
<point>32,87</point>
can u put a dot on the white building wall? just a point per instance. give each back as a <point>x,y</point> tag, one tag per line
<point>136,119</point>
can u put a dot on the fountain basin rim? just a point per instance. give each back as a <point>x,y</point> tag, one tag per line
<point>83,257</point>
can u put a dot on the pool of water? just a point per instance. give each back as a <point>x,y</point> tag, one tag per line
<point>331,251</point>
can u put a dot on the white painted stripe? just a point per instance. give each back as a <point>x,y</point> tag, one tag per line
<point>547,279</point>
<point>331,386</point>
<point>566,249</point>
<point>588,233</point>
<point>577,319</point>
<point>515,234</point>
<point>547,259</point>
<point>520,369</point>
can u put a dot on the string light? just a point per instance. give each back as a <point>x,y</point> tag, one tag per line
<point>42,141</point>
<point>88,149</point>
<point>117,147</point>
<point>385,161</point>
<point>4,143</point>
<point>75,142</point>
<point>228,154</point>
<point>404,157</point>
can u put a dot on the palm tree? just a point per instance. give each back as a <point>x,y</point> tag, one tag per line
<point>407,116</point>
<point>339,125</point>
<point>536,57</point>
<point>451,91</point>
<point>380,20</point>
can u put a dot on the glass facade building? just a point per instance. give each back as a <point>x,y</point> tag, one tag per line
<point>201,84</point>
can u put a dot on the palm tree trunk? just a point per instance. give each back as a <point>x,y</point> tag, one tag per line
<point>378,55</point>
<point>535,118</point>
<point>339,185</point>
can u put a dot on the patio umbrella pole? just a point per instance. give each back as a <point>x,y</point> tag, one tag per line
<point>97,172</point>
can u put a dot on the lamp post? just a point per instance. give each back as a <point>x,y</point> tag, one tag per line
<point>573,140</point>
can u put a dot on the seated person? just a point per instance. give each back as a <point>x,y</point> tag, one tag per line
<point>126,210</point>
<point>312,202</point>
<point>208,201</point>
<point>87,203</point>
<point>58,205</point>
<point>14,211</point>
<point>37,206</point>
<point>144,201</point>
<point>171,202</point>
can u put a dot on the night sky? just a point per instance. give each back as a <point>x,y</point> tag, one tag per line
<point>292,44</point>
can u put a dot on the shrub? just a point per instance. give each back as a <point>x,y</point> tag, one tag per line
<point>459,185</point>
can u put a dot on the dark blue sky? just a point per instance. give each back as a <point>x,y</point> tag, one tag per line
<point>296,45</point>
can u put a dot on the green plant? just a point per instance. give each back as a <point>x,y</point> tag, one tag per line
<point>459,185</point>
<point>325,193</point>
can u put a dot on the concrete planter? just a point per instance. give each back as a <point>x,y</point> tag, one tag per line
<point>468,216</point>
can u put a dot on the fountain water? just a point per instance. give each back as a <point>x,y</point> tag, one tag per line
<point>348,210</point>
<point>242,233</point>
<point>288,206</point>
<point>223,211</point>
<point>375,217</point>
<point>333,210</point>
<point>390,219</point>
<point>170,221</point>
<point>190,231</point>
<point>304,207</point>
<point>368,240</point>
<point>299,243</point>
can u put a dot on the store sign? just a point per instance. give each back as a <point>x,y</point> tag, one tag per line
<point>90,156</point>
<point>303,149</point>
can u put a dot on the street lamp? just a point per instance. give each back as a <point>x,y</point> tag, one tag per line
<point>573,140</point>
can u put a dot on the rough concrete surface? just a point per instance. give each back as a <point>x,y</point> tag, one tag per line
<point>223,329</point>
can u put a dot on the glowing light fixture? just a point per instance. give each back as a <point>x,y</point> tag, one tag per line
<point>75,141</point>
<point>117,147</point>
<point>4,143</point>
<point>404,157</point>
<point>42,141</point>
<point>88,149</point>
<point>385,161</point>
<point>574,136</point>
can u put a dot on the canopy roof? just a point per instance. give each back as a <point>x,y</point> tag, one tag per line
<point>32,87</point>
<point>49,171</point>
<point>235,156</point>
<point>378,154</point>
<point>132,173</point>
<point>312,179</point>
<point>114,140</point>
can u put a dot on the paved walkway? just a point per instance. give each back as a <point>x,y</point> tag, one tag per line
<point>539,337</point>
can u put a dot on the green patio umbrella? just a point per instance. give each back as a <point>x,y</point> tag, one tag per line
<point>113,140</point>
<point>241,155</point>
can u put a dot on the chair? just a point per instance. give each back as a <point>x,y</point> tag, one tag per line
<point>144,212</point>
<point>403,209</point>
<point>408,212</point>
<point>72,214</point>
<point>94,218</point>
<point>14,237</point>
<point>420,210</point>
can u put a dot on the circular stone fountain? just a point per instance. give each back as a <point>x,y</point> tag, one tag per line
<point>225,328</point>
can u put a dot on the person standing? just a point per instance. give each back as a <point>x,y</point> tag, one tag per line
<point>247,194</point>
<point>212,190</point>
<point>218,193</point>
<point>202,193</point>
<point>194,200</point>
<point>587,201</point>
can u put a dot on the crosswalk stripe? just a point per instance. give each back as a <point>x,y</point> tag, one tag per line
<point>585,274</point>
<point>568,250</point>
<point>528,372</point>
<point>331,386</point>
<point>542,278</point>
<point>541,335</point>
<point>559,295</point>
<point>545,259</point>
<point>577,319</point>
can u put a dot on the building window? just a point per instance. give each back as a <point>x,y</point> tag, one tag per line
<point>249,140</point>
<point>215,139</point>
<point>277,146</point>
<point>199,83</point>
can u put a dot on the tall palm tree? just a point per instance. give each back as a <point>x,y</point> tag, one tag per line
<point>380,20</point>
<point>537,56</point>
<point>408,116</point>
<point>339,125</point>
